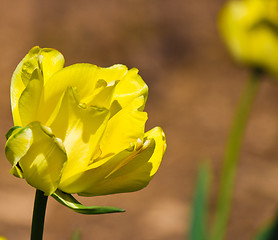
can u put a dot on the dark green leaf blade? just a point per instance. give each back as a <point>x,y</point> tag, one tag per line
<point>70,202</point>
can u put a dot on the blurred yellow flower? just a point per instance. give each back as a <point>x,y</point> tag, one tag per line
<point>81,128</point>
<point>250,30</point>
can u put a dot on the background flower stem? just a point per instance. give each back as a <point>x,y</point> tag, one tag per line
<point>38,215</point>
<point>231,156</point>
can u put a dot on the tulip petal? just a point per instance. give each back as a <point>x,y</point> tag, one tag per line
<point>249,29</point>
<point>160,140</point>
<point>12,131</point>
<point>115,72</point>
<point>124,128</point>
<point>40,156</point>
<point>135,174</point>
<point>82,77</point>
<point>18,82</point>
<point>131,87</point>
<point>47,60</point>
<point>94,174</point>
<point>81,128</point>
<point>87,78</point>
<point>30,99</point>
<point>51,61</point>
<point>102,95</point>
<point>129,170</point>
<point>18,143</point>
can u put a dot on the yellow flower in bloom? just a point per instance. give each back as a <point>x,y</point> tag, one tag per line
<point>81,128</point>
<point>250,31</point>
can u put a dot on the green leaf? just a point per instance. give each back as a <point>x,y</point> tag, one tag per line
<point>269,232</point>
<point>70,202</point>
<point>198,228</point>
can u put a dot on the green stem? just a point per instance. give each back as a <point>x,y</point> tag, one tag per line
<point>38,215</point>
<point>231,157</point>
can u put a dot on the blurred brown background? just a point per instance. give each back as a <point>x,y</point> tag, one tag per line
<point>194,88</point>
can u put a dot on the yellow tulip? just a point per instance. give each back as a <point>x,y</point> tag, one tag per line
<point>250,30</point>
<point>81,129</point>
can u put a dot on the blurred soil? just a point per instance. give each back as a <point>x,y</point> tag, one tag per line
<point>194,88</point>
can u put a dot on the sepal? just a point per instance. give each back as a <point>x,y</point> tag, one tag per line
<point>69,201</point>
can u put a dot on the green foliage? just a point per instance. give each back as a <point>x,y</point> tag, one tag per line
<point>198,229</point>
